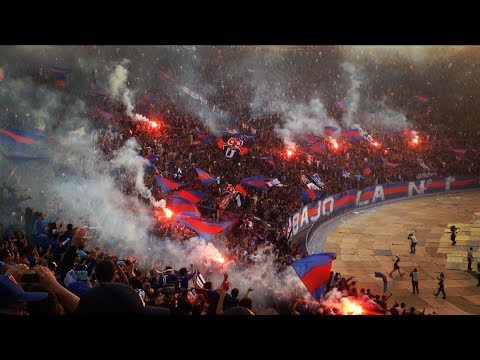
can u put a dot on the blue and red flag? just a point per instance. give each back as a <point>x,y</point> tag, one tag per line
<point>458,151</point>
<point>314,271</point>
<point>59,70</point>
<point>366,170</point>
<point>311,139</point>
<point>388,163</point>
<point>461,157</point>
<point>206,229</point>
<point>385,281</point>
<point>59,80</point>
<point>254,181</point>
<point>106,115</point>
<point>205,177</point>
<point>352,134</point>
<point>310,195</point>
<point>168,185</point>
<point>421,99</point>
<point>182,207</point>
<point>318,148</point>
<point>191,195</point>
<point>329,130</point>
<point>269,159</point>
<point>19,136</point>
<point>201,136</point>
<point>96,93</point>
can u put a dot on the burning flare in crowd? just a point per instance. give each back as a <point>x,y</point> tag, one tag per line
<point>335,144</point>
<point>350,307</point>
<point>168,212</point>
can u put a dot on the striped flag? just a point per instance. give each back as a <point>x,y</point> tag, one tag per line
<point>190,195</point>
<point>254,181</point>
<point>199,280</point>
<point>388,163</point>
<point>205,177</point>
<point>329,130</point>
<point>168,185</point>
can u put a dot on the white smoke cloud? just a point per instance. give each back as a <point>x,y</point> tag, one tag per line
<point>303,119</point>
<point>119,90</point>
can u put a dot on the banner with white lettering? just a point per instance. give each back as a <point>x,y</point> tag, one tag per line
<point>375,194</point>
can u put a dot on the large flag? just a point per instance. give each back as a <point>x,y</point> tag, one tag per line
<point>388,163</point>
<point>182,207</point>
<point>168,185</point>
<point>204,228</point>
<point>318,148</point>
<point>352,134</point>
<point>314,271</point>
<point>233,146</point>
<point>19,136</point>
<point>254,181</point>
<point>205,177</point>
<point>191,195</point>
<point>310,195</point>
<point>311,139</point>
<point>329,130</point>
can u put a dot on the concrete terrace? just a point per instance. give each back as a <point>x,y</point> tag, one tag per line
<point>365,242</point>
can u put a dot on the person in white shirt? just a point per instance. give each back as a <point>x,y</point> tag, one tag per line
<point>413,243</point>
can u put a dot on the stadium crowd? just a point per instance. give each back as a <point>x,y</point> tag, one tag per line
<point>63,271</point>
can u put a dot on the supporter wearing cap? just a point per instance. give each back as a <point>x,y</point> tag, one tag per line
<point>13,297</point>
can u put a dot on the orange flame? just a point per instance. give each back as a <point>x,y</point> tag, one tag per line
<point>335,144</point>
<point>220,259</point>
<point>415,140</point>
<point>289,152</point>
<point>350,307</point>
<point>153,124</point>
